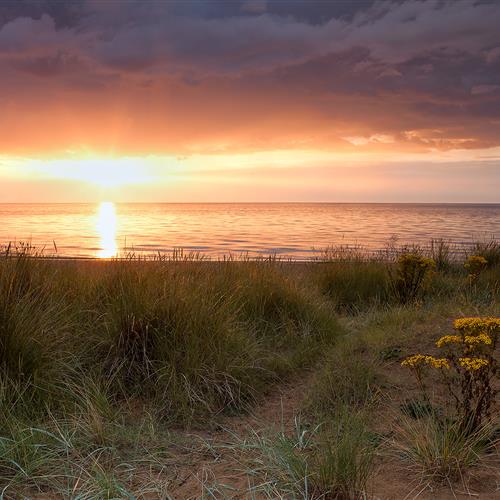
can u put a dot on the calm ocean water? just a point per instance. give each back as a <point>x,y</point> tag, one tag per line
<point>291,229</point>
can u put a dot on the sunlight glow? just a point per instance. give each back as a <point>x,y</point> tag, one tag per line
<point>106,226</point>
<point>103,172</point>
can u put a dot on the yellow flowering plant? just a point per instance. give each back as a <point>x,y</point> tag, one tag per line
<point>475,326</point>
<point>410,275</point>
<point>467,368</point>
<point>475,264</point>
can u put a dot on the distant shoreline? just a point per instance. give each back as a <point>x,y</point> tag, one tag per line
<point>339,253</point>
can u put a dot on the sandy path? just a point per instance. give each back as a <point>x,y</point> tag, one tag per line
<point>220,468</point>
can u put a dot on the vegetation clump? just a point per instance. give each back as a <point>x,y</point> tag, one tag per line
<point>489,250</point>
<point>354,286</point>
<point>409,279</point>
<point>471,356</point>
<point>331,461</point>
<point>475,264</point>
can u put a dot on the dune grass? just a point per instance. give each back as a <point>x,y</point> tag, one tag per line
<point>333,460</point>
<point>100,360</point>
<point>440,450</point>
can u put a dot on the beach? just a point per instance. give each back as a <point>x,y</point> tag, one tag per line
<point>185,378</point>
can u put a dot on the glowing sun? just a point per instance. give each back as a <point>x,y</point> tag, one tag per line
<point>107,172</point>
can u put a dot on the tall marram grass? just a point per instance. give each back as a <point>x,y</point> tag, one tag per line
<point>490,250</point>
<point>353,286</point>
<point>86,345</point>
<point>174,338</point>
<point>335,460</point>
<point>36,329</point>
<point>441,450</point>
<point>97,358</point>
<point>195,338</point>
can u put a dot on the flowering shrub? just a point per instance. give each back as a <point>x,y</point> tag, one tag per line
<point>475,264</point>
<point>410,276</point>
<point>468,367</point>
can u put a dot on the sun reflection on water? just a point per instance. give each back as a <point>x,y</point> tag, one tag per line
<point>106,226</point>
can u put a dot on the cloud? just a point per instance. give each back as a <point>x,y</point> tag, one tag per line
<point>493,55</point>
<point>376,138</point>
<point>484,89</point>
<point>122,34</point>
<point>25,33</point>
<point>49,65</point>
<point>214,76</point>
<point>254,6</point>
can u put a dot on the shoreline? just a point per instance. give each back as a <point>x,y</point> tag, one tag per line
<point>342,253</point>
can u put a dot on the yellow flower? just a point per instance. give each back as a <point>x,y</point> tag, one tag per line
<point>439,363</point>
<point>412,259</point>
<point>414,360</point>
<point>476,326</point>
<point>449,339</point>
<point>470,340</point>
<point>473,364</point>
<point>482,338</point>
<point>419,360</point>
<point>427,263</point>
<point>475,263</point>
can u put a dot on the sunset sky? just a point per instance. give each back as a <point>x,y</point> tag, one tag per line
<point>252,100</point>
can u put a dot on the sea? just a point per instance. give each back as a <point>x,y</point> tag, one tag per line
<point>298,231</point>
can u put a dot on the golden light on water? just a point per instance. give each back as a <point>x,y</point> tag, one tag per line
<point>106,226</point>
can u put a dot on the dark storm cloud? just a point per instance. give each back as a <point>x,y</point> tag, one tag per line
<point>425,72</point>
<point>48,66</point>
<point>311,11</point>
<point>64,13</point>
<point>249,34</point>
<point>234,41</point>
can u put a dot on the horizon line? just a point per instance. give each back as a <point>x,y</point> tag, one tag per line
<point>251,202</point>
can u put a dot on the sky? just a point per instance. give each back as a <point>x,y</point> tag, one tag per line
<point>250,100</point>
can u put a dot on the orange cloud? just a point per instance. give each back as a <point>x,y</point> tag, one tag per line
<point>361,81</point>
